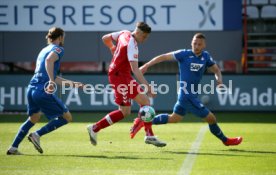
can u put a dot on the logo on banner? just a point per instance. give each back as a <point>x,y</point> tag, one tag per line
<point>206,11</point>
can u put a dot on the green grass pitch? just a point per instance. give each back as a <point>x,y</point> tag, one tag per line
<point>67,151</point>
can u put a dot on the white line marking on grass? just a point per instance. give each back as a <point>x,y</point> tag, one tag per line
<point>188,163</point>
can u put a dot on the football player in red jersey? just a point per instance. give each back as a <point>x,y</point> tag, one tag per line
<point>124,48</point>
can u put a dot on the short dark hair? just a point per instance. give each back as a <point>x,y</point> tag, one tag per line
<point>143,27</point>
<point>199,36</point>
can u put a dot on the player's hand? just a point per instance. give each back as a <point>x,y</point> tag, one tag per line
<point>222,88</point>
<point>51,87</point>
<point>151,95</point>
<point>143,69</point>
<point>219,83</point>
<point>151,92</point>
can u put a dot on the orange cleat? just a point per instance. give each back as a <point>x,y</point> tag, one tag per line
<point>233,141</point>
<point>137,125</point>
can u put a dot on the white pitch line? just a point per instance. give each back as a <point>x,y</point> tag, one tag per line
<point>188,163</point>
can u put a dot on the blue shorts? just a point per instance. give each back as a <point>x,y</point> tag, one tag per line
<point>49,104</point>
<point>192,105</point>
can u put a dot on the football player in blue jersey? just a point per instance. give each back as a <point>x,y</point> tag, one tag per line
<point>40,94</point>
<point>192,65</point>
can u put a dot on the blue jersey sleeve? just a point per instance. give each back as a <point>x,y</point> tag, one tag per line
<point>59,51</point>
<point>179,55</point>
<point>209,62</point>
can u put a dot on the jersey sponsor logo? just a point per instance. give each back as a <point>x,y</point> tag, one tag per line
<point>58,50</point>
<point>195,66</point>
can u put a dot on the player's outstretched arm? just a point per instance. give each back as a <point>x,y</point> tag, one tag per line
<point>156,60</point>
<point>74,84</point>
<point>140,77</point>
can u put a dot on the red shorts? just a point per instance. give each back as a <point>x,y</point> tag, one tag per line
<point>125,89</point>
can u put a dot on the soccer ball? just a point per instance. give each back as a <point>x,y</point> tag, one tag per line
<point>146,113</point>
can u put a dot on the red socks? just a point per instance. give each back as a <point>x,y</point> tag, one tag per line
<point>108,120</point>
<point>148,128</point>
<point>116,116</point>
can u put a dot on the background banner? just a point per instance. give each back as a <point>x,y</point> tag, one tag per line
<point>92,15</point>
<point>247,94</point>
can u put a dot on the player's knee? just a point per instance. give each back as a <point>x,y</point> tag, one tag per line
<point>126,113</point>
<point>211,119</point>
<point>68,117</point>
<point>34,118</point>
<point>174,119</point>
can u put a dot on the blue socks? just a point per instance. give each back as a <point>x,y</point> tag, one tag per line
<point>214,128</point>
<point>160,119</point>
<point>52,125</point>
<point>22,132</point>
<point>27,125</point>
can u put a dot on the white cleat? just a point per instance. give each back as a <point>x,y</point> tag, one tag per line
<point>13,152</point>
<point>154,141</point>
<point>35,140</point>
<point>92,135</point>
